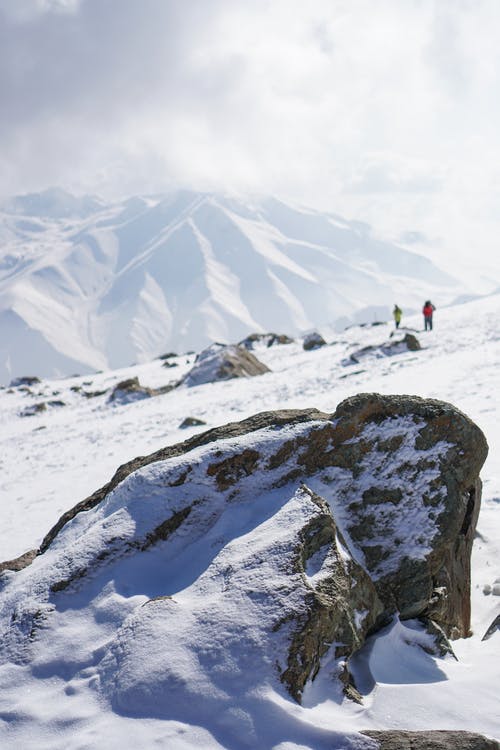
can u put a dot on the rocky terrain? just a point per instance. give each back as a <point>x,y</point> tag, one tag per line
<point>311,531</point>
<point>296,573</point>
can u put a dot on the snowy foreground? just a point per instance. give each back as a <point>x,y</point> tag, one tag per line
<point>54,459</point>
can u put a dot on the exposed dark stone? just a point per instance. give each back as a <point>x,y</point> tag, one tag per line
<point>330,609</point>
<point>129,390</point>
<point>269,339</point>
<point>233,429</point>
<point>412,343</point>
<point>191,422</point>
<point>19,562</point>
<point>495,625</point>
<point>31,411</point>
<point>229,471</point>
<point>389,349</point>
<point>24,380</point>
<point>394,739</point>
<point>312,341</point>
<point>220,362</point>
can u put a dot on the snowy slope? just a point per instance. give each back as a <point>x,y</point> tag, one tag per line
<point>53,460</point>
<point>86,286</point>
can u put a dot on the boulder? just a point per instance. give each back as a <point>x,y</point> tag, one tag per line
<point>409,343</point>
<point>131,390</point>
<point>393,739</point>
<point>265,339</point>
<point>24,380</point>
<point>220,362</point>
<point>313,341</point>
<point>300,534</point>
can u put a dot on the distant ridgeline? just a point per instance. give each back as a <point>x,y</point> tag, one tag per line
<point>86,286</point>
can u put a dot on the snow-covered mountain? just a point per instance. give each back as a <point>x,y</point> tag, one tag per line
<point>86,285</point>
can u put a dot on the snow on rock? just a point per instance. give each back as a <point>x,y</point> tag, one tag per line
<point>129,390</point>
<point>409,343</point>
<point>313,341</point>
<point>220,362</point>
<point>222,571</point>
<point>437,740</point>
<point>254,340</point>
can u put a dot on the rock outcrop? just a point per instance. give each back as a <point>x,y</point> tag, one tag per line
<point>33,409</point>
<point>409,343</point>
<point>433,740</point>
<point>265,339</point>
<point>24,380</point>
<point>131,390</point>
<point>309,531</point>
<point>220,362</point>
<point>313,341</point>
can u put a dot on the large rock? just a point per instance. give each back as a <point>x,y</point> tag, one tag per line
<point>433,740</point>
<point>271,543</point>
<point>220,362</point>
<point>409,343</point>
<point>265,339</point>
<point>130,390</point>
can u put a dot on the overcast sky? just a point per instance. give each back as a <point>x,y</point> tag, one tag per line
<point>382,110</point>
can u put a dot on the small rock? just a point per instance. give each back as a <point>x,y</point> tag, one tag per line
<point>24,380</point>
<point>267,339</point>
<point>94,394</point>
<point>312,341</point>
<point>191,422</point>
<point>495,625</point>
<point>31,411</point>
<point>388,349</point>
<point>129,390</point>
<point>220,362</point>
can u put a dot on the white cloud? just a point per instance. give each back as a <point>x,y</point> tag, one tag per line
<point>385,111</point>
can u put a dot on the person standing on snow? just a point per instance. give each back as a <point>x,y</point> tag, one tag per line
<point>397,313</point>
<point>427,310</point>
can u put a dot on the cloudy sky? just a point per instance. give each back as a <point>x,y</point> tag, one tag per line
<point>382,110</point>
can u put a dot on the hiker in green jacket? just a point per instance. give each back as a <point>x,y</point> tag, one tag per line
<point>397,313</point>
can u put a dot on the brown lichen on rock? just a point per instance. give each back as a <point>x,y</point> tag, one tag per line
<point>229,471</point>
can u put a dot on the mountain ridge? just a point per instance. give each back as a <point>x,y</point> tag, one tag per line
<point>104,285</point>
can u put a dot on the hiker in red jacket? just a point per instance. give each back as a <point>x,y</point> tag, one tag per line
<point>427,310</point>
